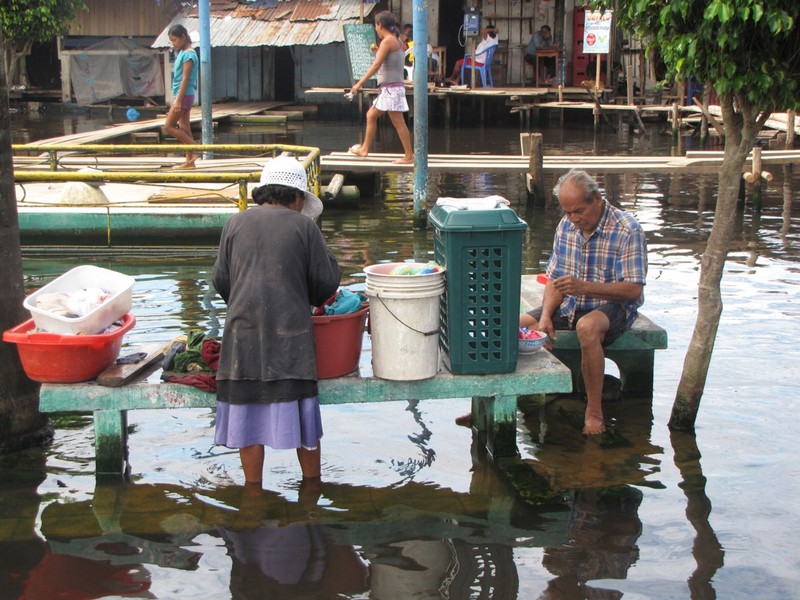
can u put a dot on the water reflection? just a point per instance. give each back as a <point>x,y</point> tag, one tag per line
<point>406,507</point>
<point>602,478</point>
<point>412,540</point>
<point>604,528</point>
<point>706,550</point>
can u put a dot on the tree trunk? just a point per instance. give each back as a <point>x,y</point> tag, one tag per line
<point>21,423</point>
<point>740,132</point>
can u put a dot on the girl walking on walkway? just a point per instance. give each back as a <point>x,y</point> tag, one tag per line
<point>388,64</point>
<point>184,88</point>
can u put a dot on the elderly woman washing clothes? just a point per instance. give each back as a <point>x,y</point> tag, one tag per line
<point>273,265</point>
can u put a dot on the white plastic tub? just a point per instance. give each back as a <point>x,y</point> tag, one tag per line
<point>79,278</point>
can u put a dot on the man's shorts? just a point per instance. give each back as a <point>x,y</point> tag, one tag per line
<point>616,314</point>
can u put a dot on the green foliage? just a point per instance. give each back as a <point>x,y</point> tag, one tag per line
<point>747,49</point>
<point>37,20</point>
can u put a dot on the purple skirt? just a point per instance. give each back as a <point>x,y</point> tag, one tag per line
<point>279,425</point>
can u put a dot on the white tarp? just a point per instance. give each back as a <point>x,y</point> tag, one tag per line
<point>115,67</point>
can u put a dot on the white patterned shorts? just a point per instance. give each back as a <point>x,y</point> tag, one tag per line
<point>391,99</point>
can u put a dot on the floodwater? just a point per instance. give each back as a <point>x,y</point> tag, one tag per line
<point>409,507</point>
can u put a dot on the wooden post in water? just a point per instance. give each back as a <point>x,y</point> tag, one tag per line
<point>704,118</point>
<point>536,168</point>
<point>629,82</point>
<point>791,116</point>
<point>675,113</point>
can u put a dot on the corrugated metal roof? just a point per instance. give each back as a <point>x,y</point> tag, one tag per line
<point>272,22</point>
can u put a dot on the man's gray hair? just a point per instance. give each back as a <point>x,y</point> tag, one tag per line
<point>581,180</point>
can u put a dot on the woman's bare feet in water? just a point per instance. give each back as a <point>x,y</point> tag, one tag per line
<point>406,160</point>
<point>593,424</point>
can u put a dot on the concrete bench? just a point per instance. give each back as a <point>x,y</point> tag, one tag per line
<point>494,401</point>
<point>633,352</point>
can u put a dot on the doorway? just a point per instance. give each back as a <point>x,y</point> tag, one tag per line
<point>284,74</point>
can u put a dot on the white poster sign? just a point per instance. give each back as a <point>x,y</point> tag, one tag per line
<point>597,32</point>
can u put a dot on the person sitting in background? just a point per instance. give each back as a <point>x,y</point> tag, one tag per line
<point>541,39</point>
<point>489,39</point>
<point>407,37</point>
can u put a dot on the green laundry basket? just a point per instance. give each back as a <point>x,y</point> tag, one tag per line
<point>479,310</point>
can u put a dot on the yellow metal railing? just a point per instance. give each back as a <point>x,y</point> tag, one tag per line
<point>309,156</point>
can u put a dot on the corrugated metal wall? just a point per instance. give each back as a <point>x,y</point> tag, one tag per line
<point>241,73</point>
<point>127,17</point>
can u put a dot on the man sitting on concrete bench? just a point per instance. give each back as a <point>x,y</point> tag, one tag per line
<point>596,277</point>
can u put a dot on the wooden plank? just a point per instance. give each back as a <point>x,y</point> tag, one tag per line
<point>219,111</point>
<point>117,375</point>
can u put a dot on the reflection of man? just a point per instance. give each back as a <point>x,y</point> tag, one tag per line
<point>596,277</point>
<point>541,39</point>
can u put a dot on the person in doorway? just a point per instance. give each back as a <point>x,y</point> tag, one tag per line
<point>184,88</point>
<point>542,39</point>
<point>388,64</point>
<point>489,39</point>
<point>273,265</point>
<point>596,278</point>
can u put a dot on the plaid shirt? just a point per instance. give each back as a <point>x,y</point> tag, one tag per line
<point>616,251</point>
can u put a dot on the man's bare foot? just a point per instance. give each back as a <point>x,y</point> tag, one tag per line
<point>406,160</point>
<point>593,425</point>
<point>464,420</point>
<point>185,165</point>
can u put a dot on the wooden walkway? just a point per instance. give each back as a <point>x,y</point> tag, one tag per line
<point>220,112</point>
<point>344,162</point>
<point>695,162</point>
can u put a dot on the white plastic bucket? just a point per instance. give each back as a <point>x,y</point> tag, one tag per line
<point>404,322</point>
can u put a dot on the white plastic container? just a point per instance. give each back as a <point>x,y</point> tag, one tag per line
<point>404,319</point>
<point>79,278</point>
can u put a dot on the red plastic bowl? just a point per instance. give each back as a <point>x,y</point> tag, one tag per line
<point>57,358</point>
<point>337,340</point>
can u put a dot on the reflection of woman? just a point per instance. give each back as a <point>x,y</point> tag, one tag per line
<point>184,88</point>
<point>388,64</point>
<point>273,264</point>
<point>296,560</point>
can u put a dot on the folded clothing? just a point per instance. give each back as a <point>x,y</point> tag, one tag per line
<point>487,203</point>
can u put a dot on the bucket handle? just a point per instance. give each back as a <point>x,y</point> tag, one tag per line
<point>425,333</point>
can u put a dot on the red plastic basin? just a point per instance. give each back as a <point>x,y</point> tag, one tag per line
<point>57,358</point>
<point>337,341</point>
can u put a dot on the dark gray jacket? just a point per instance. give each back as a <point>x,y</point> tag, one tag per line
<point>273,265</point>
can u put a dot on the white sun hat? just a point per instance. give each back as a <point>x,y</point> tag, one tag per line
<point>286,170</point>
